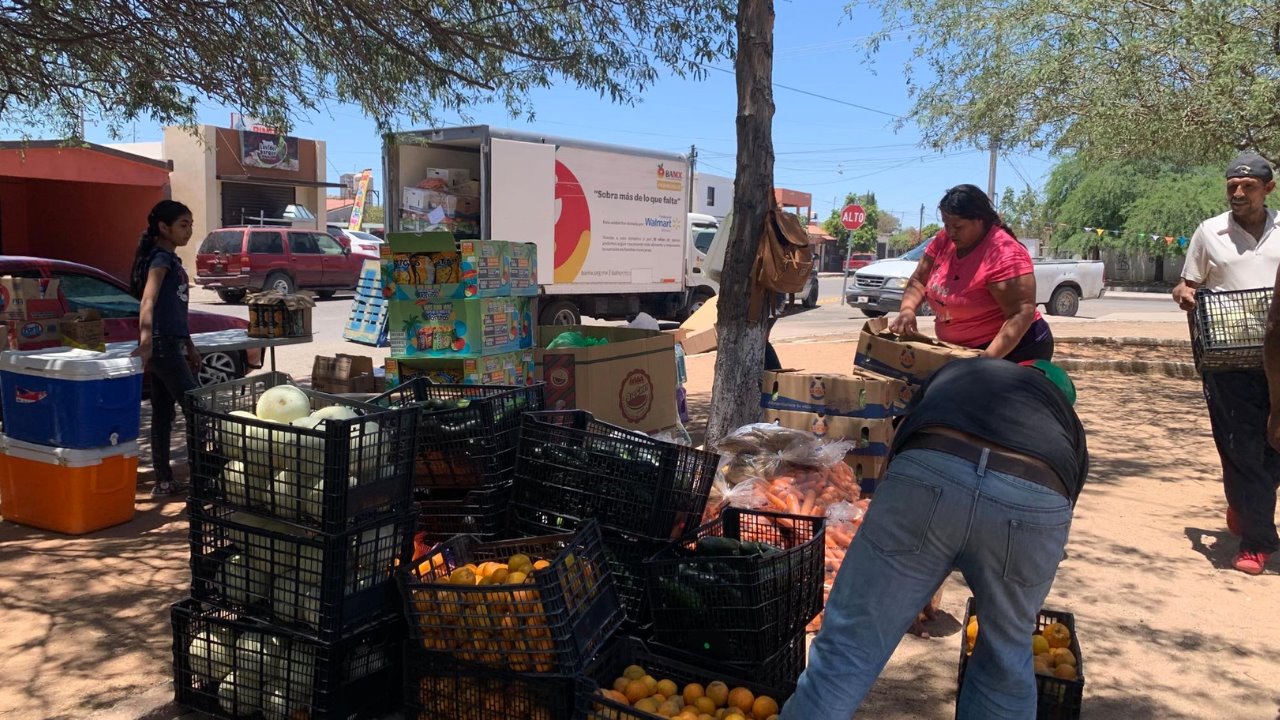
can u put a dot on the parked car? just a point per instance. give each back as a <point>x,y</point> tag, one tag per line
<point>81,287</point>
<point>1060,284</point>
<point>360,242</point>
<point>237,260</point>
<point>808,296</point>
<point>859,260</point>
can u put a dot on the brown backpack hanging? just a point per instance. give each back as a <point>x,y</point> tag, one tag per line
<point>784,260</point>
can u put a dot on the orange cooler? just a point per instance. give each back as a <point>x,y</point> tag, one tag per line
<point>67,490</point>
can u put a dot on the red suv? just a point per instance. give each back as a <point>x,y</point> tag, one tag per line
<point>238,260</point>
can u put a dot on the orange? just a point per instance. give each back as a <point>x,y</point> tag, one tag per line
<point>1043,664</point>
<point>541,565</point>
<point>463,576</point>
<point>498,576</point>
<point>648,705</point>
<point>742,699</point>
<point>636,691</point>
<point>1065,672</point>
<point>763,707</point>
<point>518,561</point>
<point>1039,645</point>
<point>703,704</point>
<point>666,687</point>
<point>719,693</point>
<point>670,708</point>
<point>1062,656</point>
<point>1058,635</point>
<point>971,632</point>
<point>633,672</point>
<point>651,682</point>
<point>692,692</point>
<point>687,714</point>
<point>621,684</point>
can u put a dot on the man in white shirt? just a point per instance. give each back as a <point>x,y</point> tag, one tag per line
<point>1240,250</point>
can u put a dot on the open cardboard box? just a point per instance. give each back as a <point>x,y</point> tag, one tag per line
<point>912,359</point>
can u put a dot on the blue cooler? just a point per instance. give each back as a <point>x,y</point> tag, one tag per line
<point>71,398</point>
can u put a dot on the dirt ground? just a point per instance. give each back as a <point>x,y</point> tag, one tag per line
<point>1168,630</point>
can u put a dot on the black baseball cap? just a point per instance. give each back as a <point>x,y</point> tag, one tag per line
<point>1250,165</point>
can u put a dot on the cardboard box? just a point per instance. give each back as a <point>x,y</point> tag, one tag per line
<point>868,469</point>
<point>522,269</point>
<point>273,314</point>
<point>513,368</point>
<point>700,329</point>
<point>629,381</point>
<point>343,374</point>
<point>467,204</point>
<point>450,177</point>
<point>4,337</point>
<point>470,187</point>
<point>425,202</point>
<point>873,436</point>
<point>32,310</point>
<point>911,360</point>
<point>459,328</point>
<point>863,394</point>
<point>83,329</point>
<point>435,265</point>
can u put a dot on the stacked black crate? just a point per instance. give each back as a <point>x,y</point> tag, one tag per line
<point>300,512</point>
<point>643,492</point>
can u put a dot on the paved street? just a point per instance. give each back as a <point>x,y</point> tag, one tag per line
<point>831,318</point>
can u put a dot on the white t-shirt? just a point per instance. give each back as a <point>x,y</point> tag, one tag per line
<point>1224,256</point>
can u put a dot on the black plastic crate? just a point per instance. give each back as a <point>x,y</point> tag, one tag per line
<point>443,514</point>
<point>242,668</point>
<point>552,622</point>
<point>315,584</point>
<point>625,554</point>
<point>326,478</point>
<point>625,651</point>
<point>1228,328</point>
<point>467,434</point>
<point>780,670</point>
<point>435,690</point>
<point>740,587</point>
<point>572,467</point>
<point>1058,699</point>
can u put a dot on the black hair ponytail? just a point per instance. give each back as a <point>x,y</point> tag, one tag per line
<point>167,212</point>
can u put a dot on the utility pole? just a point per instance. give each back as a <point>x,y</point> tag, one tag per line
<point>693,177</point>
<point>991,173</point>
<point>920,227</point>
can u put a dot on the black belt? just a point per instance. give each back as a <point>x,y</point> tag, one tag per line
<point>996,460</point>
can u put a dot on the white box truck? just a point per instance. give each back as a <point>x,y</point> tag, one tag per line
<point>612,224</point>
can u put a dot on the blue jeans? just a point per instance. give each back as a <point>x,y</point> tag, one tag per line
<point>935,512</point>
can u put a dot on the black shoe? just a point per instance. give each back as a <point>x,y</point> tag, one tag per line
<point>164,488</point>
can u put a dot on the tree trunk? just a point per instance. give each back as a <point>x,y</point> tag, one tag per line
<point>1159,268</point>
<point>735,395</point>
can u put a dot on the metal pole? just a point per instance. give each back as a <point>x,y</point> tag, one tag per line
<point>991,173</point>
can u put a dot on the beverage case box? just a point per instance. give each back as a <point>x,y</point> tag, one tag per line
<point>863,394</point>
<point>459,328</point>
<point>513,368</point>
<point>912,360</point>
<point>31,309</point>
<point>435,265</point>
<point>629,381</point>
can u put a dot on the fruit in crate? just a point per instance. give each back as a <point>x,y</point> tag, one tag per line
<point>252,672</point>
<point>496,615</point>
<point>638,689</point>
<point>1050,649</point>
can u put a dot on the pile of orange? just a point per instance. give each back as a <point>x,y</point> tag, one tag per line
<point>1050,648</point>
<point>473,698</point>
<point>663,698</point>
<point>504,626</point>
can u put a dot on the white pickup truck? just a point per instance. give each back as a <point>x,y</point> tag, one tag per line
<point>876,289</point>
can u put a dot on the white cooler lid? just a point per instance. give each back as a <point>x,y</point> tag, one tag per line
<point>66,457</point>
<point>72,363</point>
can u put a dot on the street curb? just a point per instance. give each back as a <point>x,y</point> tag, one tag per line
<point>1122,341</point>
<point>1166,368</point>
<point>1153,289</point>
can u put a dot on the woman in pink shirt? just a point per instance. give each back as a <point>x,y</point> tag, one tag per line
<point>980,283</point>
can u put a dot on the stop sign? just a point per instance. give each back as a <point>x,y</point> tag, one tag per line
<point>852,216</point>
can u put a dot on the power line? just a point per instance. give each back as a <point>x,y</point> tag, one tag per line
<point>817,95</point>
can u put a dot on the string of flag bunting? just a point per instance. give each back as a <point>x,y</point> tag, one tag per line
<point>1181,240</point>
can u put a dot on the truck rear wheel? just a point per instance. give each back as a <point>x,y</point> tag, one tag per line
<point>1065,301</point>
<point>560,312</point>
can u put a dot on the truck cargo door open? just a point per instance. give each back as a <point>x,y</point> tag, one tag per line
<point>522,197</point>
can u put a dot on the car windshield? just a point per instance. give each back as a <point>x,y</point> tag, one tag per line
<point>90,293</point>
<point>916,252</point>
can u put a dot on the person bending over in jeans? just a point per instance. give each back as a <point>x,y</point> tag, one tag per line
<point>987,464</point>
